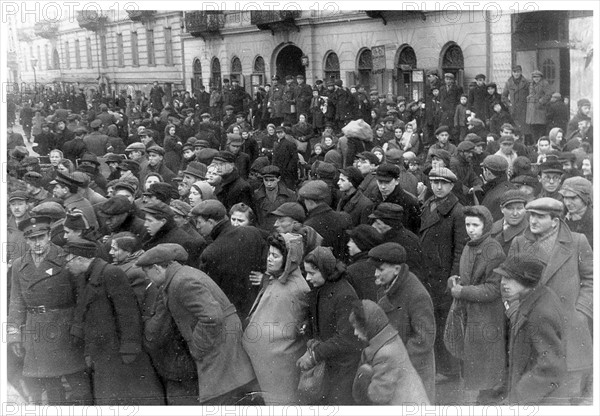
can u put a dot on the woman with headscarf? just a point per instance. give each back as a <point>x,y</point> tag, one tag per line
<point>556,137</point>
<point>332,336</point>
<point>272,338</point>
<point>200,191</point>
<point>478,291</point>
<point>386,376</point>
<point>578,197</point>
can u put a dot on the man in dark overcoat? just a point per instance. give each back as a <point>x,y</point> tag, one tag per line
<point>449,98</point>
<point>515,219</point>
<point>233,188</point>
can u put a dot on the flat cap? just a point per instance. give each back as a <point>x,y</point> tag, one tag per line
<point>96,123</point>
<point>433,72</point>
<point>196,169</point>
<point>270,171</point>
<point>68,179</point>
<point>365,237</point>
<point>442,129</point>
<point>205,115</point>
<point>517,68</point>
<point>442,174</point>
<point>315,190</point>
<point>387,171</point>
<point>157,208</point>
<point>113,158</point>
<point>537,73</point>
<point>202,143</point>
<point>162,253</point>
<point>465,146</point>
<point>368,156</point>
<point>224,156</point>
<point>496,163</point>
<point>392,253</point>
<point>513,195</point>
<point>577,186</point>
<point>126,185</point>
<point>34,179</point>
<point>115,205</point>
<point>234,138</point>
<point>326,170</point>
<point>130,164</point>
<point>18,195</point>
<point>180,207</point>
<point>76,220</point>
<point>551,165</point>
<point>394,156</point>
<point>136,146</point>
<point>409,155</point>
<point>584,102</point>
<point>449,75</point>
<point>506,138</point>
<point>156,149</point>
<point>80,131</point>
<point>228,107</point>
<point>275,78</point>
<point>353,174</point>
<point>474,138</point>
<point>289,77</point>
<point>290,209</point>
<point>523,268</point>
<point>441,154</point>
<point>35,226</point>
<point>81,248</point>
<point>526,180</point>
<point>51,209</point>
<point>545,205</point>
<point>556,95</point>
<point>388,211</point>
<point>479,76</point>
<point>72,117</point>
<point>90,158</point>
<point>210,208</point>
<point>207,155</point>
<point>339,82</point>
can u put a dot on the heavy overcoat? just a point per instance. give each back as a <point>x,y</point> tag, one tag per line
<point>331,226</point>
<point>514,97</point>
<point>537,100</point>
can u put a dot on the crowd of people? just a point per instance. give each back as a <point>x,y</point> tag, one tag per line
<point>203,248</point>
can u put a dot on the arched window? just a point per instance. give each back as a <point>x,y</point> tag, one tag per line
<point>197,68</point>
<point>549,71</point>
<point>236,70</point>
<point>365,68</point>
<point>407,61</point>
<point>258,74</point>
<point>453,62</point>
<point>259,65</point>
<point>215,73</point>
<point>55,59</point>
<point>332,66</point>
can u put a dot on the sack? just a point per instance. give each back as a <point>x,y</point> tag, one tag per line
<point>301,145</point>
<point>311,385</point>
<point>454,330</point>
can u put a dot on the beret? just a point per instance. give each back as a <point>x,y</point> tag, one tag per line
<point>111,157</point>
<point>442,129</point>
<point>290,209</point>
<point>162,253</point>
<point>523,268</point>
<point>270,170</point>
<point>136,146</point>
<point>326,170</point>
<point>368,156</point>
<point>180,207</point>
<point>513,195</point>
<point>196,169</point>
<point>82,248</point>
<point>387,172</point>
<point>96,123</point>
<point>130,164</point>
<point>496,163</point>
<point>443,174</point>
<point>115,205</point>
<point>18,195</point>
<point>33,178</point>
<point>465,146</point>
<point>51,209</point>
<point>392,253</point>
<point>472,137</point>
<point>224,156</point>
<point>545,205</point>
<point>409,155</point>
<point>388,211</point>
<point>365,237</point>
<point>30,160</point>
<point>506,138</point>
<point>210,208</point>
<point>449,75</point>
<point>479,76</point>
<point>578,186</point>
<point>157,208</point>
<point>537,73</point>
<point>551,166</point>
<point>156,149</point>
<point>584,101</point>
<point>35,226</point>
<point>353,174</point>
<point>316,190</point>
<point>394,155</point>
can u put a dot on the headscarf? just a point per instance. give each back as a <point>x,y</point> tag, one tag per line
<point>206,191</point>
<point>325,261</point>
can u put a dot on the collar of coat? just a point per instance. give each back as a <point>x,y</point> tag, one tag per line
<point>221,227</point>
<point>320,209</point>
<point>55,256</point>
<point>511,232</point>
<point>527,303</point>
<point>445,205</point>
<point>384,336</point>
<point>281,190</point>
<point>230,177</point>
<point>389,302</point>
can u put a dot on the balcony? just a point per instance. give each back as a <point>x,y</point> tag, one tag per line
<point>140,15</point>
<point>275,20</point>
<point>91,20</point>
<point>204,24</point>
<point>385,15</point>
<point>46,29</point>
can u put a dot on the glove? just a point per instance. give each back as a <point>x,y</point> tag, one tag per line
<point>128,358</point>
<point>306,362</point>
<point>18,349</point>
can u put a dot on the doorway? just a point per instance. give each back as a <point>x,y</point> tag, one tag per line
<point>289,62</point>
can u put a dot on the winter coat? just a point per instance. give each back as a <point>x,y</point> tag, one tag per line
<point>449,99</point>
<point>264,206</point>
<point>514,97</point>
<point>537,349</point>
<point>361,275</point>
<point>484,359</point>
<point>52,286</point>
<point>234,189</point>
<point>170,233</point>
<point>569,273</point>
<point>493,192</point>
<point>332,226</point>
<point>96,143</point>
<point>229,259</point>
<point>409,308</point>
<point>285,157</point>
<point>584,226</point>
<point>275,101</point>
<point>211,328</point>
<point>173,152</point>
<point>394,381</point>
<point>145,292</point>
<point>109,321</point>
<point>477,102</point>
<point>358,206</point>
<point>271,338</point>
<point>537,100</point>
<point>506,237</point>
<point>410,204</point>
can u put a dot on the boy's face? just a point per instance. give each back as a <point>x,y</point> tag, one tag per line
<point>480,82</point>
<point>511,287</point>
<point>435,92</point>
<point>463,100</point>
<point>585,109</point>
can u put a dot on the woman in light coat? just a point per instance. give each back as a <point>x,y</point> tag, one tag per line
<point>272,339</point>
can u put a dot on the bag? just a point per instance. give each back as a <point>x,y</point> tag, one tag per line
<point>454,330</point>
<point>302,146</point>
<point>311,385</point>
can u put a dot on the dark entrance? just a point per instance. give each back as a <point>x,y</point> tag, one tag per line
<point>289,62</point>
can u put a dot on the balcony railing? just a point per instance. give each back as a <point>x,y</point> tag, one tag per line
<point>91,20</point>
<point>46,29</point>
<point>202,24</point>
<point>139,15</point>
<point>272,20</point>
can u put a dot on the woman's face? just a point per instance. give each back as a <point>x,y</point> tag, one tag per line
<point>239,219</point>
<point>236,130</point>
<point>274,260</point>
<point>379,155</point>
<point>474,227</point>
<point>149,181</point>
<point>313,275</point>
<point>398,133</point>
<point>318,150</point>
<point>559,137</point>
<point>195,196</point>
<point>172,131</point>
<point>586,167</point>
<point>360,333</point>
<point>117,254</point>
<point>270,130</point>
<point>379,131</point>
<point>55,158</point>
<point>328,141</point>
<point>302,118</point>
<point>212,176</point>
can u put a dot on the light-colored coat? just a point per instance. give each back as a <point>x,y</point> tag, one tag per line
<point>539,96</point>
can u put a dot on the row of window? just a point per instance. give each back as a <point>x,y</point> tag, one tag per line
<point>101,46</point>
